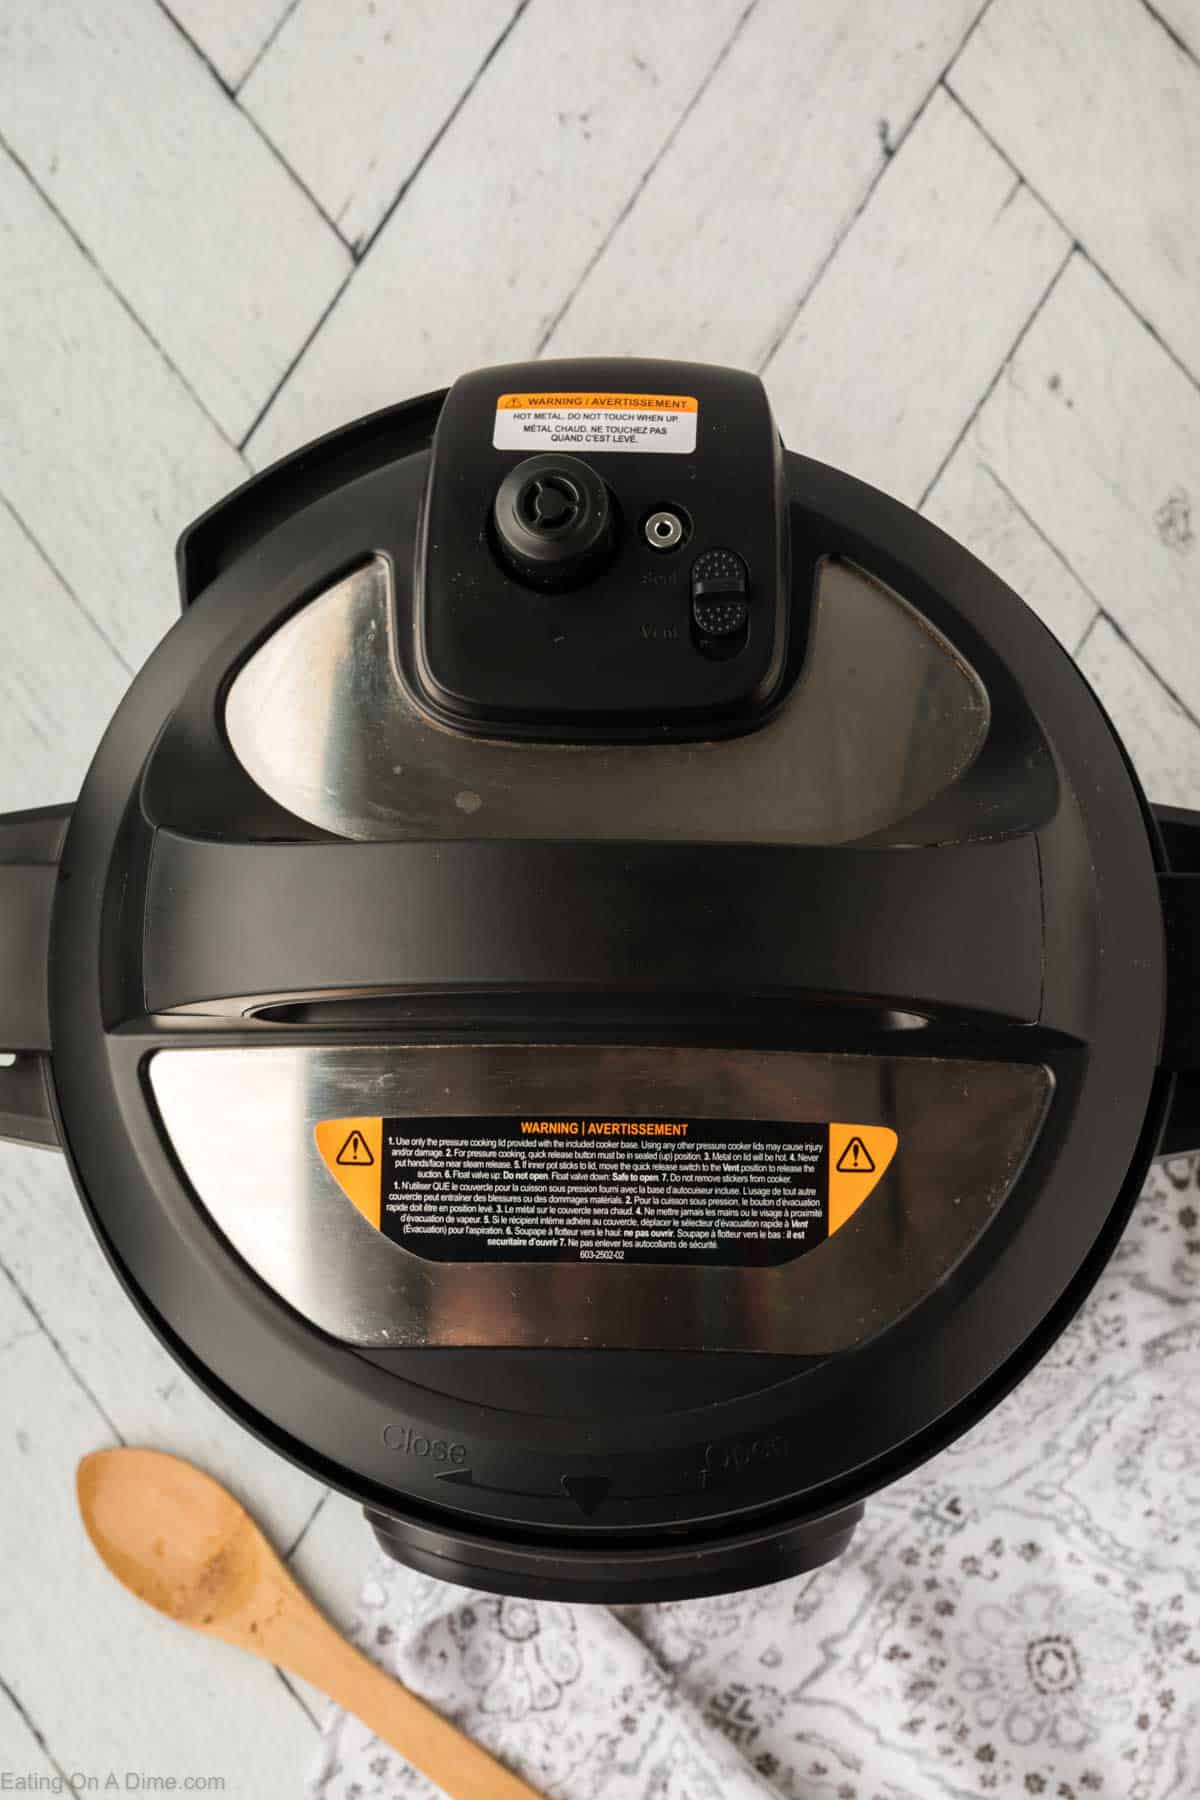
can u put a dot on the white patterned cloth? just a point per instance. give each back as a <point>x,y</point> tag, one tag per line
<point>1020,1617</point>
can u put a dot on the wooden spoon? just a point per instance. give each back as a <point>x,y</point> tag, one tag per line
<point>180,1542</point>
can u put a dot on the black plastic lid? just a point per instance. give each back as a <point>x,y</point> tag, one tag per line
<point>895,860</point>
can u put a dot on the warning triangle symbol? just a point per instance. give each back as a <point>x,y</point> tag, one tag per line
<point>587,1491</point>
<point>356,1151</point>
<point>855,1159</point>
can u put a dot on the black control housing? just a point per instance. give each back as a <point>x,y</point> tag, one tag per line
<point>544,607</point>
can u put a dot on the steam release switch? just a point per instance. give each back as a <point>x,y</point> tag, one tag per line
<point>720,594</point>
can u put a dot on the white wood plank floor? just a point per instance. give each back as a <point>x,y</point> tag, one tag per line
<point>960,238</point>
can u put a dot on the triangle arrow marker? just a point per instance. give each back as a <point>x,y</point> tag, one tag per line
<point>587,1491</point>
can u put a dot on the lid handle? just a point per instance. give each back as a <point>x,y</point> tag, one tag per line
<point>954,929</point>
<point>30,846</point>
<point>1179,889</point>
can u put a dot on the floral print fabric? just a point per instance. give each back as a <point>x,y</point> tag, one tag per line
<point>1020,1617</point>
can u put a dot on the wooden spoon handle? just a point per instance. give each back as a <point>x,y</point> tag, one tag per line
<point>423,1737</point>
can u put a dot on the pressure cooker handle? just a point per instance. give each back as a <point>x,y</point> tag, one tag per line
<point>1180,890</point>
<point>30,847</point>
<point>950,930</point>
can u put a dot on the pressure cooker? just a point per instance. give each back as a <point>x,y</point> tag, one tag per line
<point>609,988</point>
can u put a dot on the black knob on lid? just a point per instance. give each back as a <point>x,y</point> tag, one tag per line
<point>553,520</point>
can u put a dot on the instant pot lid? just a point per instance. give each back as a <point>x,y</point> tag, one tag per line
<point>901,882</point>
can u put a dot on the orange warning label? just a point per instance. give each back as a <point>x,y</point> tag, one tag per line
<point>352,1151</point>
<point>739,1192</point>
<point>605,402</point>
<point>858,1157</point>
<point>663,423</point>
